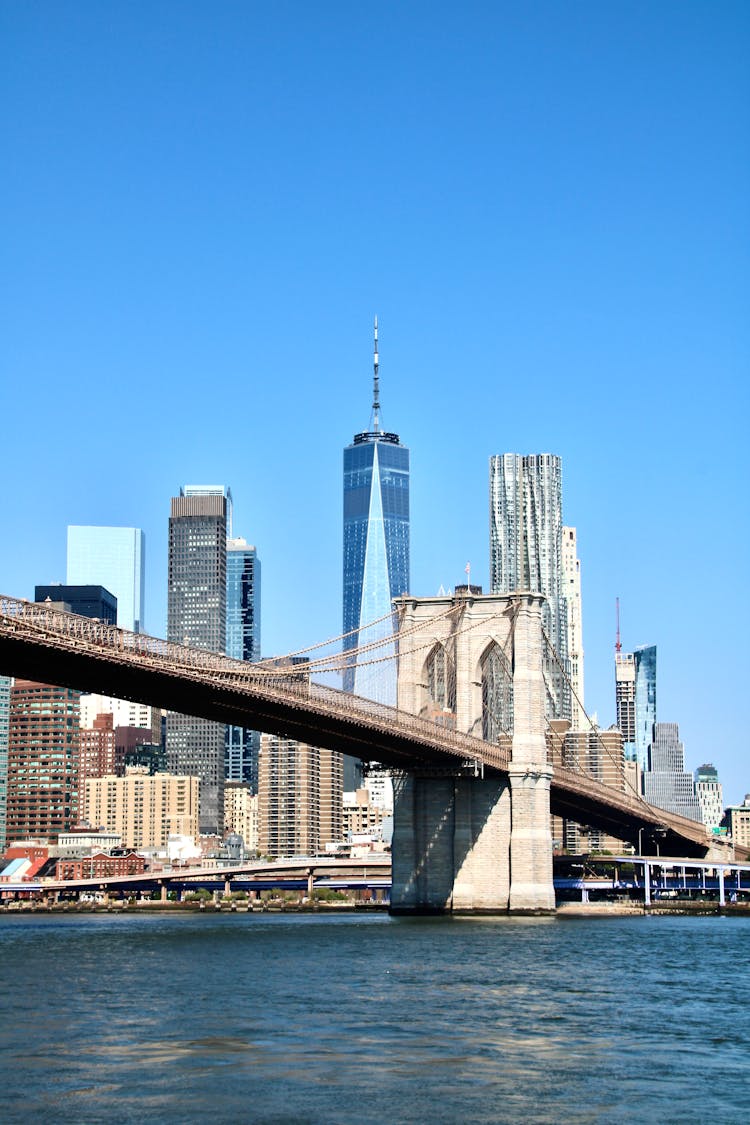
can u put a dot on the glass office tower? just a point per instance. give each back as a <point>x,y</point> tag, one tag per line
<point>196,616</point>
<point>526,552</point>
<point>376,549</point>
<point>645,702</point>
<point>243,643</point>
<point>114,557</point>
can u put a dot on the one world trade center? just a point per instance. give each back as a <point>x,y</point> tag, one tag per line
<point>376,552</point>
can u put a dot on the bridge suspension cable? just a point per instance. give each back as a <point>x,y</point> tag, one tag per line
<point>594,728</point>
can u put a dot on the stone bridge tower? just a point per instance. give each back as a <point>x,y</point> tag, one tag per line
<point>465,841</point>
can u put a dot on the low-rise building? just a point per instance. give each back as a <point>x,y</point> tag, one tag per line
<point>737,820</point>
<point>100,865</point>
<point>361,816</point>
<point>84,838</point>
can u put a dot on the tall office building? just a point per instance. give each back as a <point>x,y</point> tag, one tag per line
<point>97,751</point>
<point>5,683</point>
<point>635,701</point>
<point>376,548</point>
<point>645,703</point>
<point>44,732</point>
<point>300,795</point>
<point>666,784</point>
<point>241,813</point>
<point>196,616</point>
<point>572,591</point>
<point>598,753</point>
<point>625,701</point>
<point>710,796</point>
<point>243,643</point>
<point>114,557</point>
<point>43,750</point>
<point>526,552</point>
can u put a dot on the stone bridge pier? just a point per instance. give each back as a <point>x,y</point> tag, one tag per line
<point>465,843</point>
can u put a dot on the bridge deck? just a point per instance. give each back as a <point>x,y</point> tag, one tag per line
<point>43,644</point>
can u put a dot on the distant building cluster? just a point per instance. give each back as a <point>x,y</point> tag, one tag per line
<point>113,783</point>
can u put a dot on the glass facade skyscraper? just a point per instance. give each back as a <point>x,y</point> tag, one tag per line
<point>376,549</point>
<point>645,702</point>
<point>243,643</point>
<point>196,616</point>
<point>114,557</point>
<point>526,552</point>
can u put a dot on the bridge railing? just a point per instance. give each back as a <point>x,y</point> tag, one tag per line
<point>286,682</point>
<point>274,679</point>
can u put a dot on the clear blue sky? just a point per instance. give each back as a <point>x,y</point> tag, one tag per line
<point>205,204</point>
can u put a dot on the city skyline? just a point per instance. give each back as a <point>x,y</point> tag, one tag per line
<point>554,242</point>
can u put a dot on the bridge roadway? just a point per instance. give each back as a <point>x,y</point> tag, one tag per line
<point>373,868</point>
<point>667,872</point>
<point>47,645</point>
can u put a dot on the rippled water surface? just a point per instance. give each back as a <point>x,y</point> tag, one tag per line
<point>300,1018</point>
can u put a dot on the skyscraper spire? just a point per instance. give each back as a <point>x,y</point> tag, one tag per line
<point>376,385</point>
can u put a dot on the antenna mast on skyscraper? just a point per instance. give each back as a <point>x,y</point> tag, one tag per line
<point>618,642</point>
<point>376,385</point>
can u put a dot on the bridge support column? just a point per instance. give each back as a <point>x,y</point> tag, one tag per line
<point>449,849</point>
<point>310,883</point>
<point>531,887</point>
<point>163,891</point>
<point>532,890</point>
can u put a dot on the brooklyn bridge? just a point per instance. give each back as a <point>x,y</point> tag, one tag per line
<point>472,814</point>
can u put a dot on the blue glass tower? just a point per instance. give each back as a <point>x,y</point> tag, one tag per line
<point>376,548</point>
<point>243,643</point>
<point>114,557</point>
<point>645,702</point>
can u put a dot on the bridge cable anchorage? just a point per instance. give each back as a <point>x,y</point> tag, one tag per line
<point>593,727</point>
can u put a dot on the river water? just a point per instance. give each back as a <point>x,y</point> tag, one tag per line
<point>349,1018</point>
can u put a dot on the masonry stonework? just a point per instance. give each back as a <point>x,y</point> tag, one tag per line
<point>465,842</point>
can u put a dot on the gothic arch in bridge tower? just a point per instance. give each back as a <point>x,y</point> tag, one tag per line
<point>496,678</point>
<point>440,685</point>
